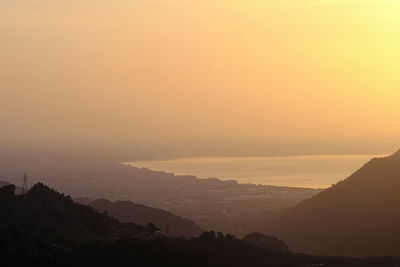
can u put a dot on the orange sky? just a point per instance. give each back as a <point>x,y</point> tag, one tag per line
<point>151,70</point>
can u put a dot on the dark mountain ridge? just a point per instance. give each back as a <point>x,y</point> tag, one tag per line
<point>129,212</point>
<point>46,228</point>
<point>48,215</point>
<point>269,243</point>
<point>359,216</point>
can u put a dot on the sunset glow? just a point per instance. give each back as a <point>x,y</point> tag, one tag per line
<point>142,70</point>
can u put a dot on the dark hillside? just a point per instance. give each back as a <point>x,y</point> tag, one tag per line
<point>129,212</point>
<point>46,214</point>
<point>359,216</point>
<point>46,228</point>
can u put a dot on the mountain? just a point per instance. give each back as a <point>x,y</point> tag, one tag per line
<point>48,215</point>
<point>46,228</point>
<point>359,216</point>
<point>263,241</point>
<point>129,212</point>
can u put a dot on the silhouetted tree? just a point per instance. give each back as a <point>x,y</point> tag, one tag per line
<point>151,228</point>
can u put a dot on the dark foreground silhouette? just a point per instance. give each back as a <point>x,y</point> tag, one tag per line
<point>46,228</point>
<point>359,216</point>
<point>129,212</point>
<point>269,243</point>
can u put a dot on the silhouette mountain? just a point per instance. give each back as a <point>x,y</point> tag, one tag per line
<point>129,212</point>
<point>268,243</point>
<point>46,228</point>
<point>48,215</point>
<point>359,216</point>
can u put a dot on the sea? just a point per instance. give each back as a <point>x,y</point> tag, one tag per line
<point>310,171</point>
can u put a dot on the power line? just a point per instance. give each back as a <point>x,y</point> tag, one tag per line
<point>24,183</point>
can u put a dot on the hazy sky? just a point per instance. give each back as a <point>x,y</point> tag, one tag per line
<point>141,72</point>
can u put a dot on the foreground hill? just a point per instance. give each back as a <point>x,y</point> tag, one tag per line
<point>129,212</point>
<point>46,228</point>
<point>48,215</point>
<point>359,216</point>
<point>269,243</point>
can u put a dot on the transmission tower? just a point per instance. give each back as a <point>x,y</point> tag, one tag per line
<point>24,183</point>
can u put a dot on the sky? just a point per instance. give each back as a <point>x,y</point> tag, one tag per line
<point>201,76</point>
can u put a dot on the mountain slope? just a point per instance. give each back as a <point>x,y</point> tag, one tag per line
<point>46,214</point>
<point>268,243</point>
<point>129,212</point>
<point>358,216</point>
<point>45,228</point>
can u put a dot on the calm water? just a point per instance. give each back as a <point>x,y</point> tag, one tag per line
<point>301,171</point>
